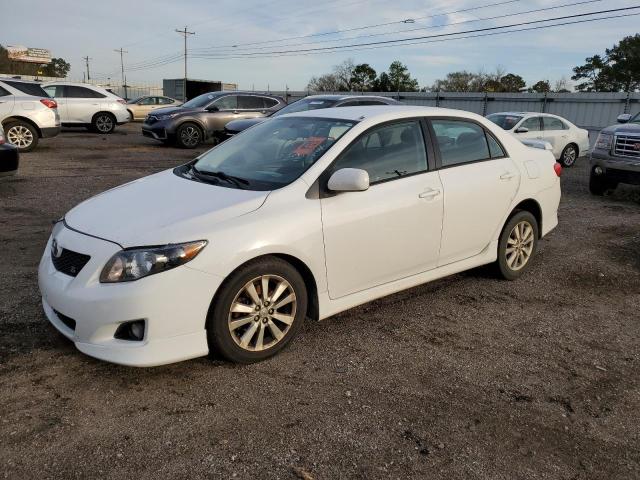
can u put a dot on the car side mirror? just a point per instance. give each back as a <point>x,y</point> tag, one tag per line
<point>349,180</point>
<point>213,108</point>
<point>522,130</point>
<point>624,118</point>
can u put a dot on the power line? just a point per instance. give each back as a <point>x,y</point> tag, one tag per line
<point>378,25</point>
<point>442,40</point>
<point>185,34</point>
<point>402,40</point>
<point>432,27</point>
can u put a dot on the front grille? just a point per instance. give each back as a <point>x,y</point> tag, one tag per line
<point>627,146</point>
<point>69,262</point>
<point>69,322</point>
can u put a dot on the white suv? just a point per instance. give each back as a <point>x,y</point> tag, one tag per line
<point>84,105</point>
<point>27,113</point>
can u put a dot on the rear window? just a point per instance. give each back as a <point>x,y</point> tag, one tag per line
<point>72,91</point>
<point>28,88</point>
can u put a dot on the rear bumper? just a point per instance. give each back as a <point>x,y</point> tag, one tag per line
<point>50,131</point>
<point>9,160</point>
<point>172,304</point>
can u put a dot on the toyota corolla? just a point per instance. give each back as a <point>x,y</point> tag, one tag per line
<point>302,216</point>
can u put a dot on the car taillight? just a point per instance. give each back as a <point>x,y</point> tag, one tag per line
<point>558,169</point>
<point>47,102</point>
<point>124,102</point>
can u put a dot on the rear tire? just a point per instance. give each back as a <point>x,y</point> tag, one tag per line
<point>21,134</point>
<point>569,155</point>
<point>189,135</point>
<point>103,122</point>
<point>258,310</point>
<point>517,245</point>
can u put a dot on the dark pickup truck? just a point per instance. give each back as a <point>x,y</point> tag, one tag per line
<point>615,158</point>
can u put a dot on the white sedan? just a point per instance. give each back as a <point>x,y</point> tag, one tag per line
<point>568,141</point>
<point>304,215</point>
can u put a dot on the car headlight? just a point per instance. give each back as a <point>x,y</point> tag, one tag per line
<point>136,263</point>
<point>604,142</point>
<point>167,116</point>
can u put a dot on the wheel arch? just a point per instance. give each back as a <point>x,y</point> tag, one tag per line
<point>533,207</point>
<point>313,308</point>
<point>22,119</point>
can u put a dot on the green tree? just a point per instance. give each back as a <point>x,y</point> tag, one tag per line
<point>383,83</point>
<point>400,78</point>
<point>363,77</point>
<point>543,86</point>
<point>57,68</point>
<point>512,83</point>
<point>618,70</point>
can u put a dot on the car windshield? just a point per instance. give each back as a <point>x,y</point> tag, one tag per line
<point>134,100</point>
<point>635,119</point>
<point>504,120</point>
<point>200,101</point>
<point>270,155</point>
<point>304,105</point>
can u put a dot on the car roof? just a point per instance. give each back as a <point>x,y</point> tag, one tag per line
<point>381,111</point>
<point>527,114</point>
<point>9,79</point>
<point>345,97</point>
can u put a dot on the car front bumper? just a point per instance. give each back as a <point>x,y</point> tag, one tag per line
<point>9,160</point>
<point>616,169</point>
<point>172,304</point>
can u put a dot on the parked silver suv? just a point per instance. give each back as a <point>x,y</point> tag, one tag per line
<point>27,113</point>
<point>616,156</point>
<point>84,105</point>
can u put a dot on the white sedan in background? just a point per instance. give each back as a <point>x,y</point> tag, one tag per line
<point>304,215</point>
<point>568,141</point>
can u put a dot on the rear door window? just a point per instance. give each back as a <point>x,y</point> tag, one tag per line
<point>551,123</point>
<point>28,88</point>
<point>460,142</point>
<point>73,91</point>
<point>250,102</point>
<point>269,102</point>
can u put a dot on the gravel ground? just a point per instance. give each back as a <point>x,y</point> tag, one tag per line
<point>468,377</point>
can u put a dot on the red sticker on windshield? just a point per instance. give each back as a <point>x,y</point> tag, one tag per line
<point>309,145</point>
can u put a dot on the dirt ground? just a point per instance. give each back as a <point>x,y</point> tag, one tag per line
<point>469,377</point>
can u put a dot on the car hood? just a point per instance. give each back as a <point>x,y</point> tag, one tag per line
<point>170,110</point>
<point>160,209</point>
<point>243,124</point>
<point>624,128</point>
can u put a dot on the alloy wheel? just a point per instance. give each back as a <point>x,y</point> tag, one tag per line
<point>104,123</point>
<point>570,156</point>
<point>190,136</point>
<point>20,136</point>
<point>262,313</point>
<point>520,245</point>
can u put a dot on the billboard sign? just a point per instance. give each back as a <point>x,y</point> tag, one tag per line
<point>19,53</point>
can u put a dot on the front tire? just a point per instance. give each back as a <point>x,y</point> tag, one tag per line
<point>189,135</point>
<point>103,122</point>
<point>259,309</point>
<point>517,245</point>
<point>22,134</point>
<point>569,155</point>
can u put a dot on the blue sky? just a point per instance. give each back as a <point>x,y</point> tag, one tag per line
<point>73,29</point>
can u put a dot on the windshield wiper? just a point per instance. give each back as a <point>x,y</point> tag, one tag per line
<point>237,181</point>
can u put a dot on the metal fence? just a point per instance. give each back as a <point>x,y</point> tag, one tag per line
<point>591,111</point>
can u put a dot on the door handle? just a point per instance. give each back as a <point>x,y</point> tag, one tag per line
<point>429,194</point>
<point>507,176</point>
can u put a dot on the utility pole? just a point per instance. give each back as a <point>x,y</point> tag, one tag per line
<point>185,33</point>
<point>124,81</point>
<point>86,59</point>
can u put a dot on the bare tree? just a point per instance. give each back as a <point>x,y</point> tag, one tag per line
<point>324,83</point>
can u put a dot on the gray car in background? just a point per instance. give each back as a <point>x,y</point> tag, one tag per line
<point>203,118</point>
<point>312,102</point>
